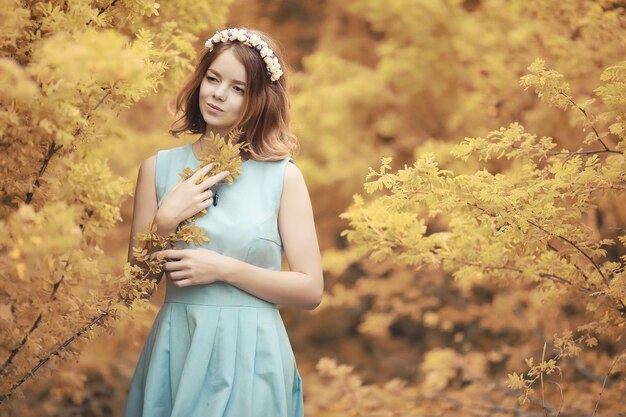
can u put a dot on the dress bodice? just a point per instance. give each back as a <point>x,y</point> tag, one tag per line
<point>243,225</point>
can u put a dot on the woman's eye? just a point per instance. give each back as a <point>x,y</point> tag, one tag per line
<point>210,78</point>
<point>239,89</point>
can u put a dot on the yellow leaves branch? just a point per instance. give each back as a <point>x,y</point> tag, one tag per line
<point>34,326</point>
<point>69,72</point>
<point>523,270</point>
<point>525,221</point>
<point>554,234</point>
<point>96,320</point>
<point>552,90</point>
<point>439,191</point>
<point>136,284</point>
<point>136,289</point>
<point>566,347</point>
<point>52,149</point>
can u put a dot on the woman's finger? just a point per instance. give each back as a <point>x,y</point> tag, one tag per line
<point>180,274</point>
<point>183,283</point>
<point>211,181</point>
<point>170,254</point>
<point>207,203</point>
<point>174,266</point>
<point>206,194</point>
<point>202,171</point>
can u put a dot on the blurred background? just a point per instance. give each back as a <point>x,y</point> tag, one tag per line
<point>401,79</point>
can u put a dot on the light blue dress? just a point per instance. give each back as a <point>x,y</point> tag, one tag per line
<point>215,350</point>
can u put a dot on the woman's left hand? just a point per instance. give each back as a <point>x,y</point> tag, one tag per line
<point>187,267</point>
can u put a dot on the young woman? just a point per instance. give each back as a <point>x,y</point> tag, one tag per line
<point>218,346</point>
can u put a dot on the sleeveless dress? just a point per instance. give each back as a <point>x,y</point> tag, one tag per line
<point>215,350</point>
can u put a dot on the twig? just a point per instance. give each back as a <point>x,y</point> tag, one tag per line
<point>575,246</point>
<point>604,383</point>
<point>102,10</point>
<point>35,324</point>
<point>552,277</point>
<point>380,234</point>
<point>56,352</point>
<point>19,347</point>
<point>585,152</point>
<point>543,394</point>
<point>596,266</point>
<point>95,320</point>
<point>595,131</point>
<point>562,398</point>
<point>52,149</point>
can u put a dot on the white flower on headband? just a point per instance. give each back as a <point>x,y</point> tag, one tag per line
<point>254,41</point>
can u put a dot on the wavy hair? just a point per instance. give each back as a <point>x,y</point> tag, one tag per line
<point>266,108</point>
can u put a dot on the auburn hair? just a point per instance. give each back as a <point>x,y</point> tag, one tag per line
<point>266,108</point>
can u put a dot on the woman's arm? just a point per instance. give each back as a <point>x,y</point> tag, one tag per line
<point>303,285</point>
<point>145,211</point>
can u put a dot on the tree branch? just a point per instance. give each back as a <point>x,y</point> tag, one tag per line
<point>604,383</point>
<point>33,327</point>
<point>56,352</point>
<point>595,131</point>
<point>52,149</point>
<point>97,320</point>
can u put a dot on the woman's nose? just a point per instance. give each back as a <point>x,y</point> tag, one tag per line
<point>219,92</point>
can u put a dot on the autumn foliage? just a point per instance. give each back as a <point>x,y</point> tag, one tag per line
<point>466,165</point>
<point>67,71</point>
<point>497,260</point>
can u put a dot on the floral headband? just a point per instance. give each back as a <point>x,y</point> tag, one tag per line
<point>253,40</point>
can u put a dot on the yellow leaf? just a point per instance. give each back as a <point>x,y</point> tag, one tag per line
<point>21,268</point>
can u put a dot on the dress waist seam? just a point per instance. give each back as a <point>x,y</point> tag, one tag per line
<point>219,305</point>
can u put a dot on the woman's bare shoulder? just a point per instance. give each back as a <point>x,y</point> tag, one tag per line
<point>292,169</point>
<point>293,179</point>
<point>148,166</point>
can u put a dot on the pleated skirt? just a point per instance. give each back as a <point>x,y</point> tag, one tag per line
<point>216,361</point>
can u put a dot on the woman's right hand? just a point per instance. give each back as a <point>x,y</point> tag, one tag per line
<point>188,198</point>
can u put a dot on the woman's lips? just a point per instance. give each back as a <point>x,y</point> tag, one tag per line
<point>215,107</point>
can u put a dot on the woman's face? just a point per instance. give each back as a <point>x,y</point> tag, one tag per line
<point>224,87</point>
